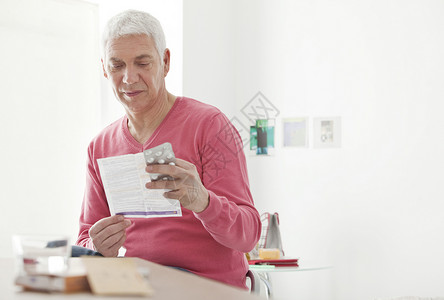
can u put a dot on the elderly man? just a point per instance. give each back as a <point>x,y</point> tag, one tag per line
<point>219,221</point>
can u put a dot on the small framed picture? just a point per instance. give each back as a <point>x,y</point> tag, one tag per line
<point>295,132</point>
<point>262,137</point>
<point>327,132</point>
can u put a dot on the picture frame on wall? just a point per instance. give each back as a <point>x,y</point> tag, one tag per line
<point>262,137</point>
<point>327,132</point>
<point>295,132</point>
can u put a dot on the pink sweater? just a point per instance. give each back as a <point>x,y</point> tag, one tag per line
<point>211,243</point>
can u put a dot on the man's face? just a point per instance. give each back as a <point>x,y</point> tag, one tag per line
<point>136,72</point>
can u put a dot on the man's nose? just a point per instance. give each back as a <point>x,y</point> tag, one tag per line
<point>131,76</point>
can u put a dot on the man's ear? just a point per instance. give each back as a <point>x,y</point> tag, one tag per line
<point>166,62</point>
<point>104,70</point>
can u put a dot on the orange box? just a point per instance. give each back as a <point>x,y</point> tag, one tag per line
<point>269,253</point>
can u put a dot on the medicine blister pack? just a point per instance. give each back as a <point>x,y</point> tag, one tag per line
<point>162,154</point>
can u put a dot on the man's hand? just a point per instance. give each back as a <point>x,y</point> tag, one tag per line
<point>108,234</point>
<point>186,186</point>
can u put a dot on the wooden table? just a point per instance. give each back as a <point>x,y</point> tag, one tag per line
<point>168,284</point>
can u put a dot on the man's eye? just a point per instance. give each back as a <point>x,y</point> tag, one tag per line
<point>116,67</point>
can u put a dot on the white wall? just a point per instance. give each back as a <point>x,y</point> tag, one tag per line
<point>209,69</point>
<point>373,208</point>
<point>49,86</point>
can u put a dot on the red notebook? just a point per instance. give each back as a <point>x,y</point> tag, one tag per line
<point>284,262</point>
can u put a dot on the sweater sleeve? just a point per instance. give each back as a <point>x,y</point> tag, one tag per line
<point>94,205</point>
<point>230,218</point>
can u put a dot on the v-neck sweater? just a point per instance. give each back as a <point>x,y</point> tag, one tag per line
<point>211,243</point>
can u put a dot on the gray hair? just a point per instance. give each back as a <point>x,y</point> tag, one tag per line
<point>132,22</point>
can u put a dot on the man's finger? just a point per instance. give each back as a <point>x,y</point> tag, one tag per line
<point>170,169</point>
<point>163,184</point>
<point>175,194</point>
<point>184,164</point>
<point>114,239</point>
<point>113,249</point>
<point>105,222</point>
<point>163,169</point>
<point>114,228</point>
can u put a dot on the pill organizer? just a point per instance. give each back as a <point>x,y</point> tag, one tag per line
<point>162,154</point>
